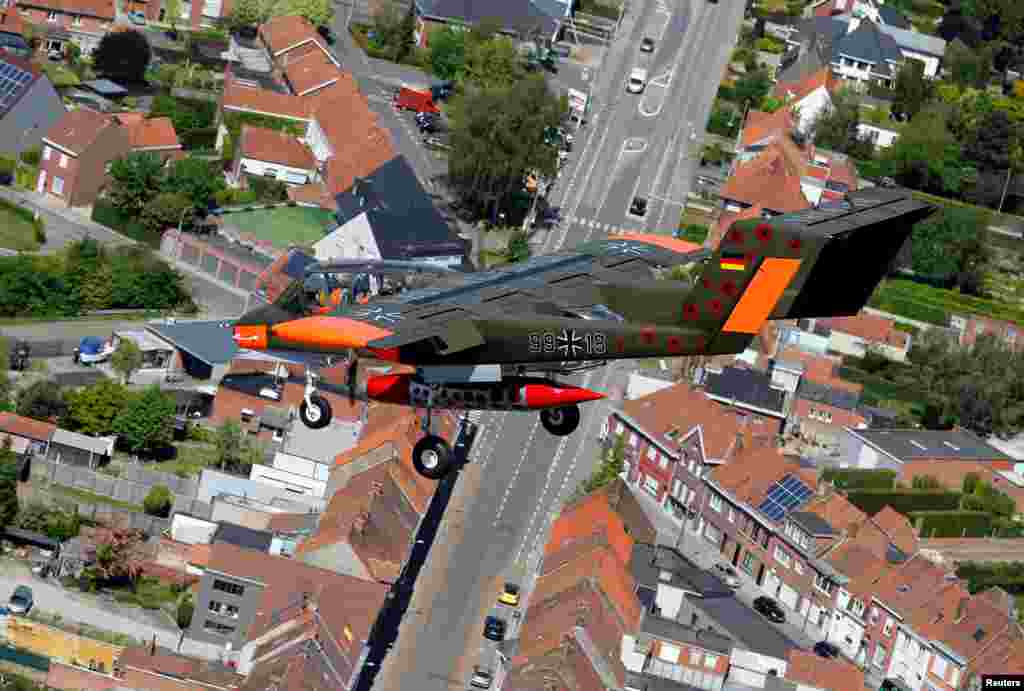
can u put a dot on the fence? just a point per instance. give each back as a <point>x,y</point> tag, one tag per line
<point>132,487</point>
<point>101,513</point>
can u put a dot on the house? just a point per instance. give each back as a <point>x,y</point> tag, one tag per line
<point>217,487</point>
<point>155,135</point>
<point>294,473</point>
<point>751,391</point>
<point>670,650</point>
<point>204,349</point>
<point>242,593</point>
<point>856,336</point>
<point>271,154</point>
<point>810,670</point>
<point>969,328</point>
<point>12,35</point>
<point>892,448</point>
<point>527,21</point>
<point>77,151</point>
<point>29,104</point>
<point>820,413</point>
<point>159,669</point>
<point>82,22</point>
<point>242,536</point>
<point>73,448</point>
<point>158,356</point>
<point>32,436</point>
<point>291,38</point>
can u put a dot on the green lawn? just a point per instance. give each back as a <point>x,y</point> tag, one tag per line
<point>933,305</point>
<point>284,225</point>
<point>191,459</point>
<point>16,233</point>
<point>60,75</point>
<point>93,498</point>
<point>149,593</point>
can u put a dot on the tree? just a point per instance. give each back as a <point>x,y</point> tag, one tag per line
<point>93,409</point>
<point>751,89</point>
<point>318,12</point>
<point>994,142</point>
<point>952,244</point>
<point>612,463</point>
<point>172,12</point>
<point>837,127</point>
<point>518,248</point>
<point>8,484</point>
<point>246,13</point>
<point>196,179</point>
<point>166,210</point>
<point>235,453</point>
<point>388,25</point>
<point>491,63</point>
<point>121,554</point>
<point>186,608</point>
<point>926,155</point>
<point>122,56</point>
<point>158,502</point>
<point>406,34</point>
<point>146,423</point>
<point>912,90</point>
<point>134,180</point>
<point>43,400</point>
<point>968,66</point>
<point>127,359</point>
<point>448,53</point>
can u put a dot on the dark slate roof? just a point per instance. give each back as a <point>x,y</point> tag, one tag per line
<point>893,17</point>
<point>649,682</point>
<point>517,15</point>
<point>671,630</point>
<point>746,386</point>
<point>812,523</point>
<point>239,535</point>
<point>869,44</point>
<point>878,417</point>
<point>819,393</point>
<point>911,444</point>
<point>209,341</point>
<point>649,561</point>
<point>745,626</point>
<point>405,237</point>
<point>393,187</point>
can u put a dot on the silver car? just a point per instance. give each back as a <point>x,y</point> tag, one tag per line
<point>728,575</point>
<point>481,679</point>
<point>21,600</point>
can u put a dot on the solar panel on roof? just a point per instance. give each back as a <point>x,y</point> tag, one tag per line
<point>784,496</point>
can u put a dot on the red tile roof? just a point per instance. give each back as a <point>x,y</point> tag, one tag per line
<point>282,33</point>
<point>860,563</point>
<point>772,179</point>
<point>271,146</point>
<point>19,426</point>
<point>898,528</point>
<point>725,221</point>
<point>78,129</point>
<point>827,674</point>
<point>253,99</point>
<point>592,514</point>
<point>169,664</point>
<point>836,510</point>
<point>752,473</point>
<point>907,587</point>
<point>103,9</point>
<point>150,133</point>
<point>870,327</point>
<point>761,127</point>
<point>794,92</point>
<point>311,72</point>
<point>12,23</point>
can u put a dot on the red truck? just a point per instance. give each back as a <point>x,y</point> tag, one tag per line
<point>411,99</point>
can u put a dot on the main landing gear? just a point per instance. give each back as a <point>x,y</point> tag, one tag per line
<point>432,455</point>
<point>561,422</point>
<point>314,411</point>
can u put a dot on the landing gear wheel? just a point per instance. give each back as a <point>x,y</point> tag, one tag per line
<point>561,422</point>
<point>316,414</point>
<point>432,457</point>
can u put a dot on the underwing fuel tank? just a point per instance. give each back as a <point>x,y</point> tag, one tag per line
<point>512,393</point>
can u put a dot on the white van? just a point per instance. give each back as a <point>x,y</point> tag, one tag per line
<point>637,80</point>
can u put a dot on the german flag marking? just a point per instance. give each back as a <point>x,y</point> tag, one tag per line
<point>733,262</point>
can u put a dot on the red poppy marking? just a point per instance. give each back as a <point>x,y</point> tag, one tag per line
<point>763,232</point>
<point>647,335</point>
<point>674,344</point>
<point>699,343</point>
<point>794,244</point>
<point>729,289</point>
<point>736,237</point>
<point>715,306</point>
<point>620,344</point>
<point>706,282</point>
<point>690,311</point>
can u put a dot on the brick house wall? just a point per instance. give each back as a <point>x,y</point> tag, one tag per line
<point>62,676</point>
<point>739,537</point>
<point>85,30</point>
<point>690,656</point>
<point>649,467</point>
<point>85,174</point>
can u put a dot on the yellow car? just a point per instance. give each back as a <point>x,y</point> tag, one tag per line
<point>510,596</point>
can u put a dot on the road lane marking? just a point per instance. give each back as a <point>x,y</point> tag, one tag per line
<point>519,468</point>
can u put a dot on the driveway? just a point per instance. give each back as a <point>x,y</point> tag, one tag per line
<point>74,606</point>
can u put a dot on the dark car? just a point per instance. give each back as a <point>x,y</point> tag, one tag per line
<point>431,127</point>
<point>6,179</point>
<point>647,45</point>
<point>494,629</point>
<point>21,601</point>
<point>826,649</point>
<point>770,609</point>
<point>327,34</point>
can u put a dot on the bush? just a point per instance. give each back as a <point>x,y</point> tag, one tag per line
<point>107,214</point>
<point>859,478</point>
<point>31,157</point>
<point>769,45</point>
<point>202,138</point>
<point>694,232</point>
<point>227,148</point>
<point>185,610</point>
<point>1006,575</point>
<point>158,502</point>
<point>905,501</point>
<point>931,524</point>
<point>7,165</point>
<point>269,191</point>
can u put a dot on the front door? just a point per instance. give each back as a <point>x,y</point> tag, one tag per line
<point>41,183</point>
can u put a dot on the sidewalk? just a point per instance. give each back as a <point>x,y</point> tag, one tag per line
<point>704,555</point>
<point>63,225</point>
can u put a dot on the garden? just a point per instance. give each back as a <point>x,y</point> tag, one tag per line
<point>283,225</point>
<point>19,229</point>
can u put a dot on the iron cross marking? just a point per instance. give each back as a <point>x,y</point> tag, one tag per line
<point>377,314</point>
<point>569,344</point>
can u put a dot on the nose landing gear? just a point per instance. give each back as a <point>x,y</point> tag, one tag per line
<point>561,422</point>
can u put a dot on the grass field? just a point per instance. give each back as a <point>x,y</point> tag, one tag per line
<point>15,232</point>
<point>284,225</point>
<point>933,305</point>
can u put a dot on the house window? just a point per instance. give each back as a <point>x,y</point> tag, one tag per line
<point>748,563</point>
<point>223,609</point>
<point>51,17</point>
<point>782,557</point>
<point>652,453</point>
<point>694,657</point>
<point>227,587</point>
<point>663,462</point>
<point>887,629</point>
<point>633,440</point>
<point>954,676</point>
<point>712,534</point>
<point>46,153</point>
<point>716,503</point>
<point>58,186</point>
<point>857,607</point>
<point>76,20</point>
<point>218,628</point>
<point>669,653</point>
<point>63,160</point>
<point>824,585</point>
<point>619,428</point>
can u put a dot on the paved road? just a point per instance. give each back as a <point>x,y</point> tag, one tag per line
<point>109,616</point>
<point>494,529</point>
<point>646,144</point>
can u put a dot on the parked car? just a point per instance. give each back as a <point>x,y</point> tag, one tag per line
<point>137,18</point>
<point>21,600</point>
<point>327,34</point>
<point>510,596</point>
<point>647,45</point>
<point>494,629</point>
<point>770,609</point>
<point>6,179</point>
<point>436,143</point>
<point>728,575</point>
<point>481,679</point>
<point>637,80</point>
<point>826,649</point>
<point>638,207</point>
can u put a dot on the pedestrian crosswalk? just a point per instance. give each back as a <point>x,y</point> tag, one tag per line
<point>596,225</point>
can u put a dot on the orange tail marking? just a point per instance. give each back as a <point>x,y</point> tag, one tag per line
<point>253,337</point>
<point>761,296</point>
<point>328,332</point>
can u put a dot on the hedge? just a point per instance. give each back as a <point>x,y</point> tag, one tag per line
<point>7,165</point>
<point>860,478</point>
<point>1006,575</point>
<point>928,303</point>
<point>204,138</point>
<point>905,501</point>
<point>952,523</point>
<point>107,214</point>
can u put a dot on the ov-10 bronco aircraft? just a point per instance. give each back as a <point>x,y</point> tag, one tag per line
<point>496,339</point>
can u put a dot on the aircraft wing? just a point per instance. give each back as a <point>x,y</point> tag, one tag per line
<point>818,263</point>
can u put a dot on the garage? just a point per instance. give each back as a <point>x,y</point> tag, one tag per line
<point>788,596</point>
